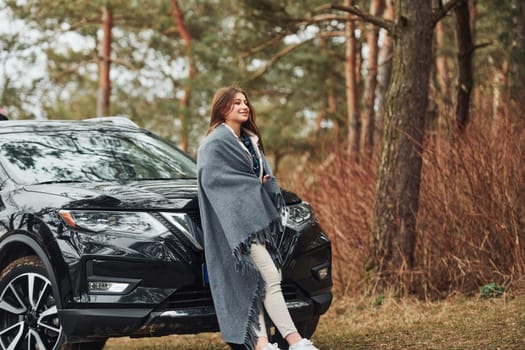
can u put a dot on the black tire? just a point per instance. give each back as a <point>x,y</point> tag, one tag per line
<point>305,328</point>
<point>28,311</point>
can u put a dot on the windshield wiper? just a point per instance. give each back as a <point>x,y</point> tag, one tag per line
<point>164,178</point>
<point>58,182</point>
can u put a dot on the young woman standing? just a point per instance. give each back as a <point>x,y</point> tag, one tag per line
<point>242,212</point>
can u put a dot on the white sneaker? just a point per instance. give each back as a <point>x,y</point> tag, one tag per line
<point>271,347</point>
<point>303,344</point>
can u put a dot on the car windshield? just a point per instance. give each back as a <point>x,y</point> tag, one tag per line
<point>91,156</point>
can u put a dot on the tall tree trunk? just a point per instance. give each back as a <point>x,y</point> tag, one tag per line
<point>104,83</point>
<point>351,88</point>
<point>499,84</point>
<point>330,96</point>
<point>368,118</point>
<point>192,71</point>
<point>465,71</point>
<point>518,54</point>
<point>384,70</point>
<point>473,11</point>
<point>443,100</point>
<point>441,64</point>
<point>399,175</point>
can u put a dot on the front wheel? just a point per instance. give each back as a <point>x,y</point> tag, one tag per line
<point>28,310</point>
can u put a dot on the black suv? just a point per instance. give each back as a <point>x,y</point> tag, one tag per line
<point>100,237</point>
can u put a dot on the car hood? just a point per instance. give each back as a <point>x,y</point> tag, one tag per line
<point>151,195</point>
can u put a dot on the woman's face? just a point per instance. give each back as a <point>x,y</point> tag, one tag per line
<point>239,111</point>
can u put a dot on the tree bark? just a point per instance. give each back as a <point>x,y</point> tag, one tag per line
<point>104,82</point>
<point>384,70</point>
<point>518,54</point>
<point>399,176</point>
<point>351,89</point>
<point>499,83</point>
<point>192,71</point>
<point>465,71</point>
<point>473,11</point>
<point>368,119</point>
<point>441,64</point>
<point>443,98</point>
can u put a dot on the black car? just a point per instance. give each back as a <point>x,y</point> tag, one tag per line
<point>100,237</point>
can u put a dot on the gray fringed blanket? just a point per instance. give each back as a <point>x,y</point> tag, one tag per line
<point>236,209</point>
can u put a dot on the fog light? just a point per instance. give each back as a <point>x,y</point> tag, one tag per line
<point>321,272</point>
<point>106,287</point>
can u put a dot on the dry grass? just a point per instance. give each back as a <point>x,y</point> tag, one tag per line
<point>408,323</point>
<point>342,194</point>
<point>471,221</point>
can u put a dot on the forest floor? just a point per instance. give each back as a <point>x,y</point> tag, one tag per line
<point>459,322</point>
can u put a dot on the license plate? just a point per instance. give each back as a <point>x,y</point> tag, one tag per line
<point>205,279</point>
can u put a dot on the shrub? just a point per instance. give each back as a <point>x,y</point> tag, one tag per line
<point>491,290</point>
<point>471,220</point>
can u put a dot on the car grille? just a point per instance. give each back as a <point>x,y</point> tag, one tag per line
<point>182,299</point>
<point>198,298</point>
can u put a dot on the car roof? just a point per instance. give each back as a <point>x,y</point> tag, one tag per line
<point>101,123</point>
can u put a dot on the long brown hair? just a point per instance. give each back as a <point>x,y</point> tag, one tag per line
<point>222,103</point>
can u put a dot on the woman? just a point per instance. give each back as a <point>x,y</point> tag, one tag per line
<point>241,209</point>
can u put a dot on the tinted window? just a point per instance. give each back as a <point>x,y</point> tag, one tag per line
<point>91,156</point>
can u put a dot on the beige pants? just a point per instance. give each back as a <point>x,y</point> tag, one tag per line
<point>274,303</point>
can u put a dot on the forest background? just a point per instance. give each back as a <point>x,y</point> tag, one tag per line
<point>400,122</point>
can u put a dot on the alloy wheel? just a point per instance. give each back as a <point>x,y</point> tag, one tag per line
<point>28,312</point>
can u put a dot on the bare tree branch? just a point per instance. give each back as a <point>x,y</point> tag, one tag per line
<point>331,34</point>
<point>72,69</point>
<point>277,38</point>
<point>263,45</point>
<point>444,9</point>
<point>82,22</point>
<point>365,16</point>
<point>324,17</point>
<point>277,56</point>
<point>125,64</point>
<point>481,45</point>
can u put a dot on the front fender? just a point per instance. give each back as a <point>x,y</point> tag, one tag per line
<point>33,237</point>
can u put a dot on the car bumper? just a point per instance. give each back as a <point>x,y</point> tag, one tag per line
<point>101,323</point>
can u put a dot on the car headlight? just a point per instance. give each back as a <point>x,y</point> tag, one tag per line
<point>113,221</point>
<point>185,226</point>
<point>299,214</point>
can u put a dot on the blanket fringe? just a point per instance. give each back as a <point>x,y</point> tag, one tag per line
<point>243,263</point>
<point>250,337</point>
<point>266,236</point>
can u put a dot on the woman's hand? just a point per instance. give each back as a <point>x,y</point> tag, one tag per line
<point>265,178</point>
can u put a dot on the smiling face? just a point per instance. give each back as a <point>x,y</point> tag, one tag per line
<point>239,111</point>
<point>230,105</point>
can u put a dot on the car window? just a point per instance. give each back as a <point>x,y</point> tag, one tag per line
<point>89,156</point>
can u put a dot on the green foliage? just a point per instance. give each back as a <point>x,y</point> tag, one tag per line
<point>379,300</point>
<point>287,61</point>
<point>232,42</point>
<point>491,290</point>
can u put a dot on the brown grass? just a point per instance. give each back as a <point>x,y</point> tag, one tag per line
<point>342,194</point>
<point>351,323</point>
<point>471,222</point>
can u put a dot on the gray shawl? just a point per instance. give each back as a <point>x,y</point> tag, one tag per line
<point>236,209</point>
